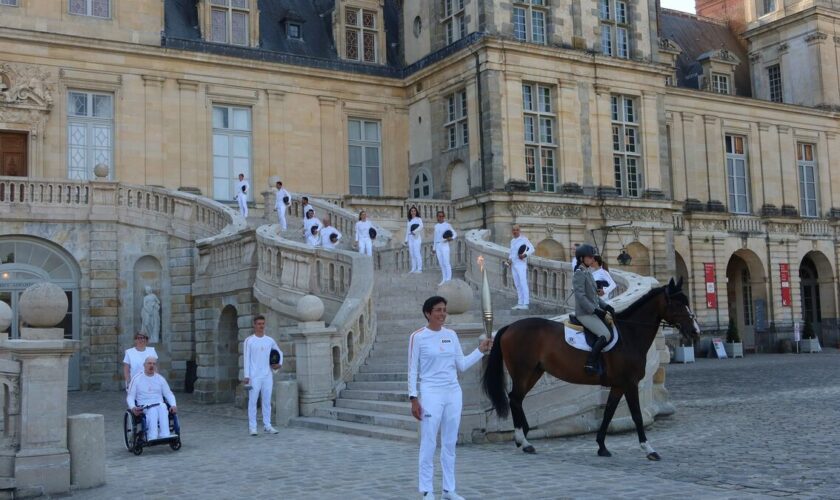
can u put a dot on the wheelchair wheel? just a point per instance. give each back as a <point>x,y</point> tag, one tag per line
<point>176,444</point>
<point>128,431</point>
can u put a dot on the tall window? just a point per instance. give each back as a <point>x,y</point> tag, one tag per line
<point>229,21</point>
<point>615,28</point>
<point>769,6</point>
<point>454,20</point>
<point>421,186</point>
<point>540,147</point>
<point>626,150</point>
<point>807,180</point>
<point>231,149</point>
<point>364,153</point>
<point>360,34</point>
<point>529,20</point>
<point>92,8</point>
<point>90,133</point>
<point>774,77</point>
<point>457,132</point>
<point>736,175</point>
<point>720,83</point>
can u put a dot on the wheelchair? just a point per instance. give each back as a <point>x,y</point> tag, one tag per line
<point>134,432</point>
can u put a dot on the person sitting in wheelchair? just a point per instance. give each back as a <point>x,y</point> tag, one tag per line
<point>150,388</point>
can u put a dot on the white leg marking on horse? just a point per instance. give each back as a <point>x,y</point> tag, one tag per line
<point>525,442</point>
<point>647,448</point>
<point>518,436</point>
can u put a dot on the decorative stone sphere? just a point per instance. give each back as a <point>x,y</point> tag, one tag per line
<point>100,170</point>
<point>272,181</point>
<point>42,305</point>
<point>310,308</point>
<point>458,295</point>
<point>5,316</point>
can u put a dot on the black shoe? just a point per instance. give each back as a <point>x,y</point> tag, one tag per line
<point>593,365</point>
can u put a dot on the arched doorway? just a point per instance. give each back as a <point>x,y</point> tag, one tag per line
<point>227,355</point>
<point>550,249</point>
<point>816,290</point>
<point>24,261</point>
<point>746,295</point>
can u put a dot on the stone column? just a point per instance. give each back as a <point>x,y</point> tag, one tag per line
<point>329,146</point>
<point>313,354</point>
<point>601,126</point>
<point>650,146</point>
<point>188,100</point>
<point>572,146</point>
<point>787,159</point>
<point>154,129</point>
<point>716,170</point>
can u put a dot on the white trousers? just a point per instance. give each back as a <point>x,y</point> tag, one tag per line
<point>442,252</point>
<point>365,246</point>
<point>520,280</point>
<point>281,216</point>
<point>260,387</point>
<point>157,422</point>
<point>243,205</point>
<point>415,254</point>
<point>441,410</point>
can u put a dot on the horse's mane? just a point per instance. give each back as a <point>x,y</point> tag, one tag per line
<point>640,302</point>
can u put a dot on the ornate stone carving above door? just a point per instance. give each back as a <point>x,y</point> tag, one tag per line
<point>26,86</point>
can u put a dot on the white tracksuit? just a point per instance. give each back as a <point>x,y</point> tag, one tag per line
<point>307,208</point>
<point>312,239</point>
<point>256,352</point>
<point>442,249</point>
<point>145,390</point>
<point>603,274</point>
<point>242,197</point>
<point>281,207</point>
<point>519,268</point>
<point>413,241</point>
<point>363,237</point>
<point>325,237</point>
<point>436,357</point>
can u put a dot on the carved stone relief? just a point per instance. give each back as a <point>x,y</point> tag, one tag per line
<point>545,209</point>
<point>637,214</point>
<point>26,86</point>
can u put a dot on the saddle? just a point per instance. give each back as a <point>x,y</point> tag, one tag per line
<point>580,338</point>
<point>574,324</point>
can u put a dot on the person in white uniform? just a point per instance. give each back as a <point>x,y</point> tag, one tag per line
<point>363,241</point>
<point>312,238</point>
<point>242,190</point>
<point>444,233</point>
<point>330,236</point>
<point>259,379</point>
<point>414,238</point>
<point>136,356</point>
<point>280,205</point>
<point>435,357</point>
<point>146,388</point>
<point>519,266</point>
<point>304,202</point>
<point>601,274</point>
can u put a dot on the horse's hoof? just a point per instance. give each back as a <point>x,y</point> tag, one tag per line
<point>529,449</point>
<point>519,445</point>
<point>604,453</point>
<point>654,457</point>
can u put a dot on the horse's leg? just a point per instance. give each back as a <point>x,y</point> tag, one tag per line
<point>632,396</point>
<point>516,396</point>
<point>609,411</point>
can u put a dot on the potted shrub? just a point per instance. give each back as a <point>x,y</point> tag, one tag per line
<point>809,342</point>
<point>734,347</point>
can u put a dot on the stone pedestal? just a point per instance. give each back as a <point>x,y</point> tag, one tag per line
<point>285,402</point>
<point>313,357</point>
<point>473,414</point>
<point>86,442</point>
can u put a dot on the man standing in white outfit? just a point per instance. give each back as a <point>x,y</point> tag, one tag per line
<point>444,233</point>
<point>518,258</point>
<point>435,357</point>
<point>281,203</point>
<point>258,376</point>
<point>330,236</point>
<point>148,388</point>
<point>242,190</point>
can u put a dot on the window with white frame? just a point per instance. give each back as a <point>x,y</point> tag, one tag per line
<point>231,149</point>
<point>529,20</point>
<point>9,3</point>
<point>91,8</point>
<point>454,20</point>
<point>360,34</point>
<point>457,132</point>
<point>807,180</point>
<point>720,83</point>
<point>736,174</point>
<point>421,186</point>
<point>540,146</point>
<point>229,20</point>
<point>90,133</point>
<point>364,155</point>
<point>768,6</point>
<point>627,154</point>
<point>774,78</point>
<point>615,28</point>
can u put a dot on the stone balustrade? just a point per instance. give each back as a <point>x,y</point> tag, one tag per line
<point>744,224</point>
<point>397,258</point>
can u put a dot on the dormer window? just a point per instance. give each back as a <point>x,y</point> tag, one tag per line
<point>230,21</point>
<point>360,35</point>
<point>294,31</point>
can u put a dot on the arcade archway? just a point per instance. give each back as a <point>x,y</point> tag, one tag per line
<point>816,290</point>
<point>747,295</point>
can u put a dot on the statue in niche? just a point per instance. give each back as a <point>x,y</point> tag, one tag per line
<point>150,315</point>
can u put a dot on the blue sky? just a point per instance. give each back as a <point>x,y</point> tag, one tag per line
<point>683,5</point>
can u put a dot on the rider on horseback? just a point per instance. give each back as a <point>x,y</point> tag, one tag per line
<point>590,309</point>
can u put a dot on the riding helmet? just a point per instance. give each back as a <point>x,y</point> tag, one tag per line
<point>584,250</point>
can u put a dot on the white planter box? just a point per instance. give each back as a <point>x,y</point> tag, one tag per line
<point>734,349</point>
<point>809,345</point>
<point>684,354</point>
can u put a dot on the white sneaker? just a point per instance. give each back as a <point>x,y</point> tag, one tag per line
<point>270,430</point>
<point>252,432</point>
<point>515,308</point>
<point>442,282</point>
<point>451,495</point>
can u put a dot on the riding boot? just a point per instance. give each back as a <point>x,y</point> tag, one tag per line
<point>592,362</point>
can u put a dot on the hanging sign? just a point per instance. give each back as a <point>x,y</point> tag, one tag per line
<point>784,279</point>
<point>711,293</point>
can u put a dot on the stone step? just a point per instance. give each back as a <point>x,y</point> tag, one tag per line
<point>356,429</point>
<point>381,376</point>
<point>395,396</point>
<point>378,386</point>
<point>383,366</point>
<point>404,422</point>
<point>389,407</point>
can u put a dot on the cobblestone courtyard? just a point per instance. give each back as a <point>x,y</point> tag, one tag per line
<point>763,426</point>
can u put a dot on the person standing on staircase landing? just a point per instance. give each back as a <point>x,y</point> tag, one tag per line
<point>590,309</point>
<point>259,379</point>
<point>363,234</point>
<point>413,238</point>
<point>520,249</point>
<point>242,190</point>
<point>444,233</point>
<point>281,203</point>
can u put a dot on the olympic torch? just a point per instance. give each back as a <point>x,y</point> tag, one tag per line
<point>486,300</point>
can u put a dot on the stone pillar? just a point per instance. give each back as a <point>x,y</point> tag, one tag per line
<point>154,131</point>
<point>313,354</point>
<point>86,441</point>
<point>286,405</point>
<point>189,106</point>
<point>572,145</point>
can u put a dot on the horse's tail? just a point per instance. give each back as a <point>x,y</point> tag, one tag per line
<point>494,377</point>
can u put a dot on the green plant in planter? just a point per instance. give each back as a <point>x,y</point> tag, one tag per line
<point>808,331</point>
<point>732,335</point>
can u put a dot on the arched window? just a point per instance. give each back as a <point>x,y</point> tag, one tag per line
<point>421,186</point>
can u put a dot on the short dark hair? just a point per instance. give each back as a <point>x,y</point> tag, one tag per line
<point>601,262</point>
<point>258,317</point>
<point>431,302</point>
<point>441,212</point>
<point>304,198</point>
<point>415,208</point>
<point>280,182</point>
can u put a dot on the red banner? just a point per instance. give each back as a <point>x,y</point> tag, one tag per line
<point>711,292</point>
<point>784,280</point>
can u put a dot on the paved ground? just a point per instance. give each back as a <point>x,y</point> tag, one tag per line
<point>763,426</point>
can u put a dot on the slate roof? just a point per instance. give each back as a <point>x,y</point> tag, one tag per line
<point>696,36</point>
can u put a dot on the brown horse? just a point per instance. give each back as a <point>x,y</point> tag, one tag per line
<point>533,346</point>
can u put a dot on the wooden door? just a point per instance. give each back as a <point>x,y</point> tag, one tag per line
<point>13,157</point>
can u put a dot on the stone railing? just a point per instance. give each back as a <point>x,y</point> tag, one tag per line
<point>744,224</point>
<point>816,227</point>
<point>428,208</point>
<point>678,222</point>
<point>397,259</point>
